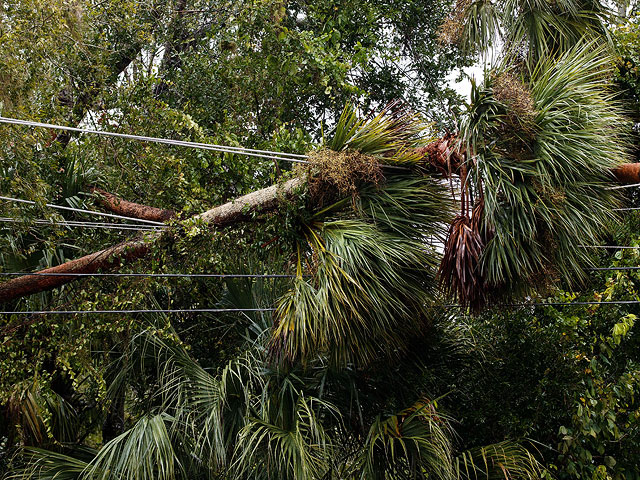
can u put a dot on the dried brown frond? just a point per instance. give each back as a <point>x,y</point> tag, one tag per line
<point>342,173</point>
<point>460,273</point>
<point>444,154</point>
<point>450,32</point>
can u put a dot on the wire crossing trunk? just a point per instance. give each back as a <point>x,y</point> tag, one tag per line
<point>117,205</point>
<point>110,258</point>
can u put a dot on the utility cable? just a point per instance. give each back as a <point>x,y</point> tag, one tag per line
<point>251,152</point>
<point>192,310</point>
<point>151,275</point>
<point>618,187</point>
<point>558,304</point>
<point>70,223</point>
<point>564,304</point>
<point>81,210</point>
<point>612,268</point>
<point>220,310</point>
<point>289,157</point>
<point>614,247</point>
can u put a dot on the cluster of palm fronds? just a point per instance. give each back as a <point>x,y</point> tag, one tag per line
<point>531,30</point>
<point>542,183</point>
<point>254,421</point>
<point>372,268</point>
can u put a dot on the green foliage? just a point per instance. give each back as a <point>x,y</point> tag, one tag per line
<point>626,74</point>
<point>566,377</point>
<point>320,389</point>
<point>143,452</point>
<point>405,445</point>
<point>48,465</point>
<point>532,29</point>
<point>541,145</point>
<point>372,275</point>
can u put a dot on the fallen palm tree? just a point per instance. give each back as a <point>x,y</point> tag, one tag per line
<point>112,257</point>
<point>353,157</point>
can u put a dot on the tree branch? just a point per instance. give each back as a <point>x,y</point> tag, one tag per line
<point>627,173</point>
<point>117,205</point>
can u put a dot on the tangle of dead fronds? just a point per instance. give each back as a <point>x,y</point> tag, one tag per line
<point>341,173</point>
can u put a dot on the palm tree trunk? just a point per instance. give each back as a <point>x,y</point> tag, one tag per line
<point>117,205</point>
<point>627,173</point>
<point>230,213</point>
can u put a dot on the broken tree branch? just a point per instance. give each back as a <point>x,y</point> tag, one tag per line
<point>117,205</point>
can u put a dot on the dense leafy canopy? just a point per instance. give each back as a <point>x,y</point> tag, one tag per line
<point>357,365</point>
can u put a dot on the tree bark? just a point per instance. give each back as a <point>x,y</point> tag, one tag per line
<point>103,260</point>
<point>627,173</point>
<point>117,205</point>
<point>232,212</point>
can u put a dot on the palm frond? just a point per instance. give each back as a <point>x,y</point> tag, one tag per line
<point>43,417</point>
<point>544,184</point>
<point>499,461</point>
<point>412,207</point>
<point>48,465</point>
<point>294,446</point>
<point>145,451</point>
<point>415,443</point>
<point>530,30</point>
<point>392,135</point>
<point>209,409</point>
<point>367,293</point>
<point>372,274</point>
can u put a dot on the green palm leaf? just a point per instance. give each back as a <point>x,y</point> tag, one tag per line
<point>540,153</point>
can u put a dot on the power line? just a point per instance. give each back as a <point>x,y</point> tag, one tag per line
<point>557,304</point>
<point>564,304</point>
<point>615,247</point>
<point>623,186</point>
<point>289,157</point>
<point>70,223</point>
<point>151,275</point>
<point>613,268</point>
<point>192,310</point>
<point>81,210</point>
<point>251,152</point>
<point>221,310</point>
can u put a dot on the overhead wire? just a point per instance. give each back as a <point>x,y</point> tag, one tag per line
<point>612,268</point>
<point>71,223</point>
<point>151,275</point>
<point>557,304</point>
<point>563,304</point>
<point>290,157</point>
<point>221,310</point>
<point>179,310</point>
<point>251,152</point>
<point>614,247</point>
<point>618,187</point>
